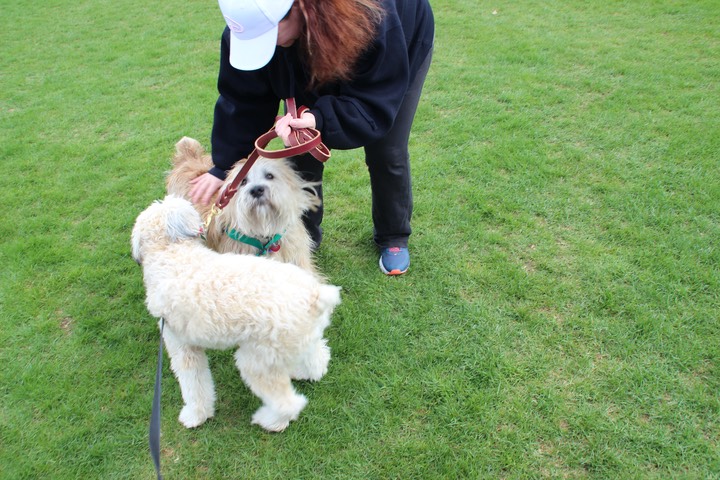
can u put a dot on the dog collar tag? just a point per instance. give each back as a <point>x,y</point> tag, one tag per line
<point>274,247</point>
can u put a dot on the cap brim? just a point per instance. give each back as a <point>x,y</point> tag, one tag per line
<point>255,53</point>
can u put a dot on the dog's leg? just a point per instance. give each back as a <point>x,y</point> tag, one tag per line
<point>281,404</point>
<point>191,368</point>
<point>313,363</point>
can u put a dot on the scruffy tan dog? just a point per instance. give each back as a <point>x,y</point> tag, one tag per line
<point>268,205</point>
<point>274,313</point>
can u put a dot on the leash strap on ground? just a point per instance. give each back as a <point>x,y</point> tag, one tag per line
<point>155,415</point>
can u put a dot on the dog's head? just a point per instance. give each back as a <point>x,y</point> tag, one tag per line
<point>164,222</point>
<point>271,197</point>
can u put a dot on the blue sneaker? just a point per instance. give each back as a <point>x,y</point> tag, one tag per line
<point>394,260</point>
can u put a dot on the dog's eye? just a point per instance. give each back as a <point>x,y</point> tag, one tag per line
<point>243,182</point>
<point>269,176</point>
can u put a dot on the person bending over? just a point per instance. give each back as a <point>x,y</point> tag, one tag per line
<point>358,65</point>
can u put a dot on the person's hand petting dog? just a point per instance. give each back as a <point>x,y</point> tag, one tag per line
<point>203,188</point>
<point>285,125</point>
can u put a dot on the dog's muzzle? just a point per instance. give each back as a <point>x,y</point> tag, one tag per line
<point>257,192</point>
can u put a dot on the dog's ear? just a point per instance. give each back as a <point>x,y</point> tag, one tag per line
<point>186,148</point>
<point>136,240</point>
<point>182,221</point>
<point>135,243</point>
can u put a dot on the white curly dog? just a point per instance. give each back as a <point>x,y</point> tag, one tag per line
<point>274,313</point>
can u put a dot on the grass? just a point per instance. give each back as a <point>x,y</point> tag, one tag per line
<point>560,317</point>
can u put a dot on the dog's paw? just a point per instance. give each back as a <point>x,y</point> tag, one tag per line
<point>268,419</point>
<point>192,417</point>
<point>274,420</point>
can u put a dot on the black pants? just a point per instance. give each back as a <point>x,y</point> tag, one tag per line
<point>388,162</point>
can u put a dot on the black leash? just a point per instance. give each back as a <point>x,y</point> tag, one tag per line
<point>155,415</point>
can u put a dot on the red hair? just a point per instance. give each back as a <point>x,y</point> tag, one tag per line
<point>337,33</point>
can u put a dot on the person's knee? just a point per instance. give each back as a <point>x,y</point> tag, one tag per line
<point>389,157</point>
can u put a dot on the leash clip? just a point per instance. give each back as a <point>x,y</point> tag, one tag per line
<point>214,210</point>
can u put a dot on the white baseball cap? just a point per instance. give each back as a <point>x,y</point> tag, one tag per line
<point>253,30</point>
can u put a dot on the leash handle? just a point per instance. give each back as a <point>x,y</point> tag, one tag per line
<point>302,140</point>
<point>154,434</point>
<point>306,137</point>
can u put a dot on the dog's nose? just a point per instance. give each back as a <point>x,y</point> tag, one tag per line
<point>257,192</point>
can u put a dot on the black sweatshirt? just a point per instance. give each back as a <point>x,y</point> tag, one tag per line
<point>348,115</point>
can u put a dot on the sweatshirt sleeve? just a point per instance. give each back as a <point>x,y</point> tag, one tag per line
<point>364,109</point>
<point>245,109</point>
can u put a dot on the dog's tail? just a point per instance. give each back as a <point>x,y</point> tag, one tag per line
<point>328,298</point>
<point>190,161</point>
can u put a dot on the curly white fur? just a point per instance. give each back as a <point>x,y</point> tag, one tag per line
<point>274,313</point>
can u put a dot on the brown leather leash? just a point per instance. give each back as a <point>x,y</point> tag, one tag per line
<point>302,140</point>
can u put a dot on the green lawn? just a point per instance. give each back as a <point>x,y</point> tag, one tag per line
<point>560,318</point>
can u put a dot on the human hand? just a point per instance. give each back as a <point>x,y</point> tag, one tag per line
<point>285,125</point>
<point>204,187</point>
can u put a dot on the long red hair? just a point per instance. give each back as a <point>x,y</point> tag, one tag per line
<point>336,34</point>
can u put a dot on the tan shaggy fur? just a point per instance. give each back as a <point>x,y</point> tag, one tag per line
<point>278,210</point>
<point>274,313</point>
